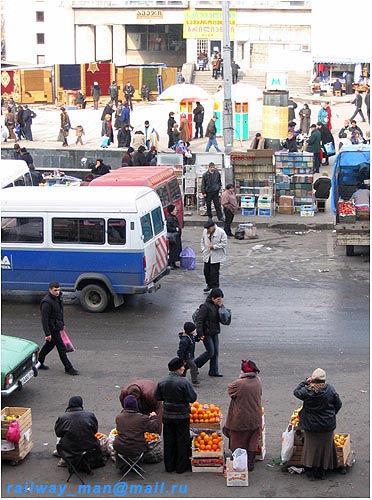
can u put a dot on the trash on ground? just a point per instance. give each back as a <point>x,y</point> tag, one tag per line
<point>323,270</point>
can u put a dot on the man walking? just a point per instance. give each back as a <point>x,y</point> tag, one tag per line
<point>358,101</point>
<point>128,94</point>
<point>210,188</point>
<point>211,134</point>
<point>213,247</point>
<point>198,119</point>
<point>177,393</point>
<point>234,72</point>
<point>113,92</point>
<point>230,207</point>
<point>53,322</point>
<point>27,117</point>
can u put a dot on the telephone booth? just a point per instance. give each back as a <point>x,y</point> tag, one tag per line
<point>274,117</point>
<point>187,108</point>
<point>241,121</point>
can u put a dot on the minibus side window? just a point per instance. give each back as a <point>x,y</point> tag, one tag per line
<point>162,192</point>
<point>75,230</point>
<point>116,232</point>
<point>146,227</point>
<point>175,190</point>
<point>22,230</point>
<point>20,181</point>
<point>28,180</point>
<point>157,220</point>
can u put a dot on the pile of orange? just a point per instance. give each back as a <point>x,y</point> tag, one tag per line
<point>205,413</point>
<point>208,442</point>
<point>151,436</point>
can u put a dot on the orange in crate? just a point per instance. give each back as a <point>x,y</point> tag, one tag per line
<point>205,413</point>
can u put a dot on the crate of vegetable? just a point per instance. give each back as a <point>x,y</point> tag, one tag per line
<point>346,211</point>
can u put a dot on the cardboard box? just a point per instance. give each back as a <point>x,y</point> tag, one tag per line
<point>235,478</point>
<point>343,452</point>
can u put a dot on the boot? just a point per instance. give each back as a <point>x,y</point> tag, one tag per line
<point>251,459</point>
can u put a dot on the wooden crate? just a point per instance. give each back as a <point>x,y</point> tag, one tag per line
<point>24,420</point>
<point>206,426</point>
<point>343,452</point>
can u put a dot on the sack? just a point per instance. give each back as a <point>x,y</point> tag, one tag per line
<point>105,142</point>
<point>240,459</point>
<point>287,444</point>
<point>154,455</point>
<point>225,315</point>
<point>60,137</point>
<point>14,432</point>
<point>66,340</point>
<point>172,237</point>
<point>188,259</point>
<point>330,148</point>
<point>239,234</point>
<point>103,440</point>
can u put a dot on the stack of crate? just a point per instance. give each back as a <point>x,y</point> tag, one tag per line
<point>264,206</point>
<point>247,204</point>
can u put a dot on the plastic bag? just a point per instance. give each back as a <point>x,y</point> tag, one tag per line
<point>225,315</point>
<point>105,142</point>
<point>14,432</point>
<point>240,459</point>
<point>103,440</point>
<point>110,444</point>
<point>287,444</point>
<point>66,340</point>
<point>188,259</point>
<point>330,148</point>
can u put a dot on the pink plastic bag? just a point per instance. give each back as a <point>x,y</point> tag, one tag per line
<point>14,433</point>
<point>66,340</point>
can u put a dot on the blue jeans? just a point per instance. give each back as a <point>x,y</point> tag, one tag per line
<point>212,142</point>
<point>211,344</point>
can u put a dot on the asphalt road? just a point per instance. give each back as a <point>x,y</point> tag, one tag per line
<point>298,304</point>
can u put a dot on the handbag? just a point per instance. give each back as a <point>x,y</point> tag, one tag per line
<point>172,237</point>
<point>330,148</point>
<point>66,340</point>
<point>225,315</point>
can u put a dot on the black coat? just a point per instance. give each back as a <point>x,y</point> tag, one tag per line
<point>208,319</point>
<point>52,313</point>
<point>101,170</point>
<point>322,187</point>
<point>139,159</point>
<point>291,145</point>
<point>171,122</point>
<point>107,110</point>
<point>175,248</point>
<point>326,135</point>
<point>176,393</point>
<point>186,347</point>
<point>211,183</point>
<point>198,114</point>
<point>124,137</point>
<point>319,409</point>
<point>77,429</point>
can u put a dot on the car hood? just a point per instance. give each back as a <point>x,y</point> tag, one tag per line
<point>13,351</point>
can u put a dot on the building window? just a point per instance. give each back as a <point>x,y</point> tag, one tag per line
<point>40,38</point>
<point>156,38</point>
<point>39,16</point>
<point>40,59</point>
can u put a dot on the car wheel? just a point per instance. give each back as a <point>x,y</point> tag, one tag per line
<point>94,298</point>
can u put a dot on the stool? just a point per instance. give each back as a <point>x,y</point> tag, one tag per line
<point>79,106</point>
<point>78,464</point>
<point>320,204</point>
<point>131,463</point>
<point>338,93</point>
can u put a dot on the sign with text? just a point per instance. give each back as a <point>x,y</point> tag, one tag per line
<point>276,81</point>
<point>149,14</point>
<point>207,24</point>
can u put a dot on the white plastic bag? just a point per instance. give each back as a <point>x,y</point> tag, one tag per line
<point>287,444</point>
<point>240,459</point>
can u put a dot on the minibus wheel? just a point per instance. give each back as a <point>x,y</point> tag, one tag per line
<point>94,298</point>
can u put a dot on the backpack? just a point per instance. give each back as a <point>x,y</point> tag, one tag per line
<point>195,315</point>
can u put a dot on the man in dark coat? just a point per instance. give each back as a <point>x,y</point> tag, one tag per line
<point>108,110</point>
<point>314,146</point>
<point>208,326</point>
<point>177,393</point>
<point>128,94</point>
<point>143,391</point>
<point>76,429</point>
<point>26,156</point>
<point>127,158</point>
<point>210,188</point>
<point>326,137</point>
<point>358,101</point>
<point>124,136</point>
<point>27,116</point>
<point>234,71</point>
<point>131,425</point>
<point>96,94</point>
<point>291,110</point>
<point>322,186</point>
<point>198,119</point>
<point>174,236</point>
<point>113,92</point>
<point>100,168</point>
<point>170,124</point>
<point>53,322</point>
<point>139,158</point>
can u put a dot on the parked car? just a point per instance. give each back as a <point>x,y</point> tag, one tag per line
<point>19,363</point>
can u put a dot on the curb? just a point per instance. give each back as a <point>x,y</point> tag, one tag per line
<point>291,226</point>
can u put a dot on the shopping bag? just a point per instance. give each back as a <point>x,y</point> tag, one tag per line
<point>225,315</point>
<point>66,340</point>
<point>330,148</point>
<point>105,142</point>
<point>14,432</point>
<point>287,444</point>
<point>188,259</point>
<point>240,459</point>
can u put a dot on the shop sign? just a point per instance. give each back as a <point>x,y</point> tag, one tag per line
<point>207,24</point>
<point>149,14</point>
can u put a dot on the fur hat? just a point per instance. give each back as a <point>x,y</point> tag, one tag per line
<point>175,364</point>
<point>319,374</point>
<point>189,327</point>
<point>130,403</point>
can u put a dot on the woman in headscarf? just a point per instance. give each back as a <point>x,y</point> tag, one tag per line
<point>174,232</point>
<point>321,403</point>
<point>244,417</point>
<point>185,128</point>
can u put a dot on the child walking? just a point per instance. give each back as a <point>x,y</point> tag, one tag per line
<point>186,350</point>
<point>79,134</point>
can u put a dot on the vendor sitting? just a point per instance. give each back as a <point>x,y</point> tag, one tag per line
<point>322,188</point>
<point>361,196</point>
<point>290,144</point>
<point>131,426</point>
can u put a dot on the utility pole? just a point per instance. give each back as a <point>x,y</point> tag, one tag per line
<point>228,131</point>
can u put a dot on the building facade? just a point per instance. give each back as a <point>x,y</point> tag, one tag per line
<point>266,34</point>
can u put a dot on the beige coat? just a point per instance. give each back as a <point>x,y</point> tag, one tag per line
<point>219,240</point>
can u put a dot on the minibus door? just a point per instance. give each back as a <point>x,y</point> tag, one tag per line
<point>155,244</point>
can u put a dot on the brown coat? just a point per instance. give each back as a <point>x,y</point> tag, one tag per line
<point>147,402</point>
<point>184,130</point>
<point>245,406</point>
<point>229,201</point>
<point>131,426</point>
